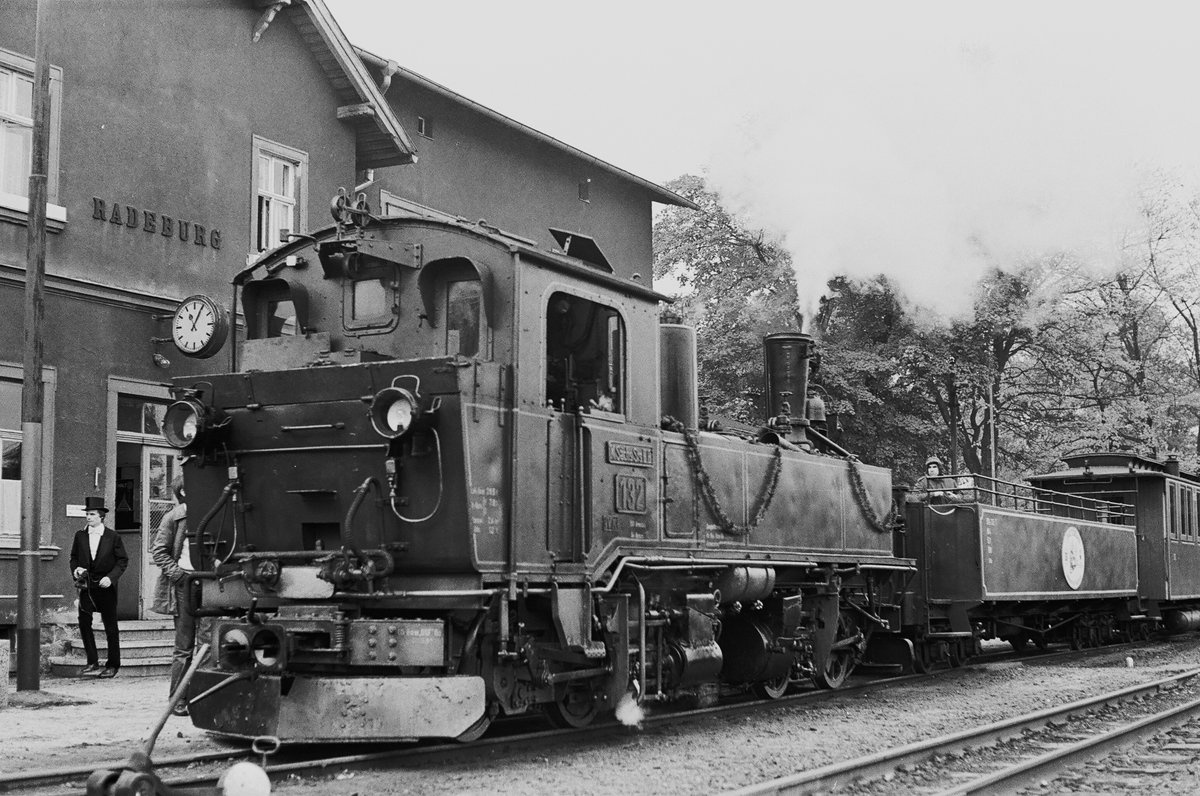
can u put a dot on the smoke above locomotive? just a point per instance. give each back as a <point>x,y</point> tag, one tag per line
<point>451,476</point>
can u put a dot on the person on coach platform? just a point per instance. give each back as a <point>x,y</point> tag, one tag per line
<point>97,560</point>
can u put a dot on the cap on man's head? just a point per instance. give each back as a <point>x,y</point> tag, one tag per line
<point>934,460</point>
<point>91,503</point>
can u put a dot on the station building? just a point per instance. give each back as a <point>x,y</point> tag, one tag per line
<point>186,137</point>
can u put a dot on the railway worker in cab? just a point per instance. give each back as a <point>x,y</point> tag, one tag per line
<point>934,486</point>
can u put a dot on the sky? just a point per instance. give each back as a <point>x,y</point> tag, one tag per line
<point>924,140</point>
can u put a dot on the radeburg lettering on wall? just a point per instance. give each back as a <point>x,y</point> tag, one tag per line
<point>155,223</point>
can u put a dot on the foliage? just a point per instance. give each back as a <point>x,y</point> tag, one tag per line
<point>736,285</point>
<point>1054,357</point>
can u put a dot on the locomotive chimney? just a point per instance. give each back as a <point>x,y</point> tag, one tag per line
<point>786,357</point>
<point>1172,464</point>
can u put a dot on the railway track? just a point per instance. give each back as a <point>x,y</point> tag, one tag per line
<point>1014,753</point>
<point>518,735</point>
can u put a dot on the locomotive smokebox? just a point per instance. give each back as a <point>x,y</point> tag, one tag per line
<point>786,357</point>
<point>677,364</point>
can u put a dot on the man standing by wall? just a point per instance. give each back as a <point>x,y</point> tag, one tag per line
<point>97,560</point>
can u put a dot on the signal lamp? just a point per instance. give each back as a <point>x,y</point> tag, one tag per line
<point>393,410</point>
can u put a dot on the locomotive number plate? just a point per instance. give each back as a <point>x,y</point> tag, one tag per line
<point>630,494</point>
<point>630,454</point>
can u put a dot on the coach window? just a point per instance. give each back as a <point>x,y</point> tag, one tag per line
<point>16,140</point>
<point>1173,511</point>
<point>585,355</point>
<point>280,192</point>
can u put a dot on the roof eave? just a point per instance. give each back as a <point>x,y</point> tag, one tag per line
<point>401,148</point>
<point>657,192</point>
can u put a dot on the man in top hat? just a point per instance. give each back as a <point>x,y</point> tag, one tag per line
<point>97,560</point>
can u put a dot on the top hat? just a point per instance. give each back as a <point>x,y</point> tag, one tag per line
<point>94,504</point>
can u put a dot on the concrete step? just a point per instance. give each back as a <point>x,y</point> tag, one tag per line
<point>70,666</point>
<point>130,648</point>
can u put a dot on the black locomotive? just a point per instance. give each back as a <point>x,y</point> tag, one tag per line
<point>455,476</point>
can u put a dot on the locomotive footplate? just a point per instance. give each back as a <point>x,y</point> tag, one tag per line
<point>333,709</point>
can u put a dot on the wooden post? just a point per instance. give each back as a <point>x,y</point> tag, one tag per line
<point>29,606</point>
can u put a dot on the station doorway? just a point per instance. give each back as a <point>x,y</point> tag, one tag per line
<point>145,469</point>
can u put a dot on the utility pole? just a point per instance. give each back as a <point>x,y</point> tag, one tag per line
<point>29,606</point>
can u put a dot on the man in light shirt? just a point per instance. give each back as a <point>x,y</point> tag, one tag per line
<point>175,592</point>
<point>97,561</point>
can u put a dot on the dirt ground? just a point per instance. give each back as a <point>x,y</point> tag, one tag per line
<point>77,722</point>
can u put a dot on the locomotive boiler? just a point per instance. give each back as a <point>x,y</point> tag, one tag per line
<point>453,475</point>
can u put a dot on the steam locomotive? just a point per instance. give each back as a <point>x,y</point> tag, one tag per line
<point>455,476</point>
<point>438,488</point>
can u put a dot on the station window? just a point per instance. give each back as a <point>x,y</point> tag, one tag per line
<point>16,139</point>
<point>10,457</point>
<point>280,184</point>
<point>585,355</point>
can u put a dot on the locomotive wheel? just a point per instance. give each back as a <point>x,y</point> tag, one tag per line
<point>773,689</point>
<point>573,707</point>
<point>1019,642</point>
<point>476,730</point>
<point>922,659</point>
<point>842,660</point>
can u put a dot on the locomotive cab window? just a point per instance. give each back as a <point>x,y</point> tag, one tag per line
<point>585,355</point>
<point>275,308</point>
<point>370,298</point>
<point>463,302</point>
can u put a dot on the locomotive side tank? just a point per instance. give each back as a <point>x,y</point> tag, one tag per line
<point>437,488</point>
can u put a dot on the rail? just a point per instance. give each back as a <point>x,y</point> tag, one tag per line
<point>960,488</point>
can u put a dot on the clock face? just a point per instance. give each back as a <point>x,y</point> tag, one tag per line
<point>199,327</point>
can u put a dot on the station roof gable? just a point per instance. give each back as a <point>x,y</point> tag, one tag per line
<point>380,139</point>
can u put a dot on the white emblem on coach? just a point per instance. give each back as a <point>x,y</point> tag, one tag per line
<point>1072,557</point>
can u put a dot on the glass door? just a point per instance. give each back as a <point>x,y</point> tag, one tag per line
<point>159,468</point>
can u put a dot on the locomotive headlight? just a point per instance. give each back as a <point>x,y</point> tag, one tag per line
<point>393,410</point>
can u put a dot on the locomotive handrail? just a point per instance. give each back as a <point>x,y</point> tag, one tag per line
<point>967,488</point>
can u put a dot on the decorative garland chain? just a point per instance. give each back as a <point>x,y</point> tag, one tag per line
<point>708,494</point>
<point>864,503</point>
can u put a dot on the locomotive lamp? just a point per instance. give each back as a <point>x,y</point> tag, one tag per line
<point>395,410</point>
<point>188,422</point>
